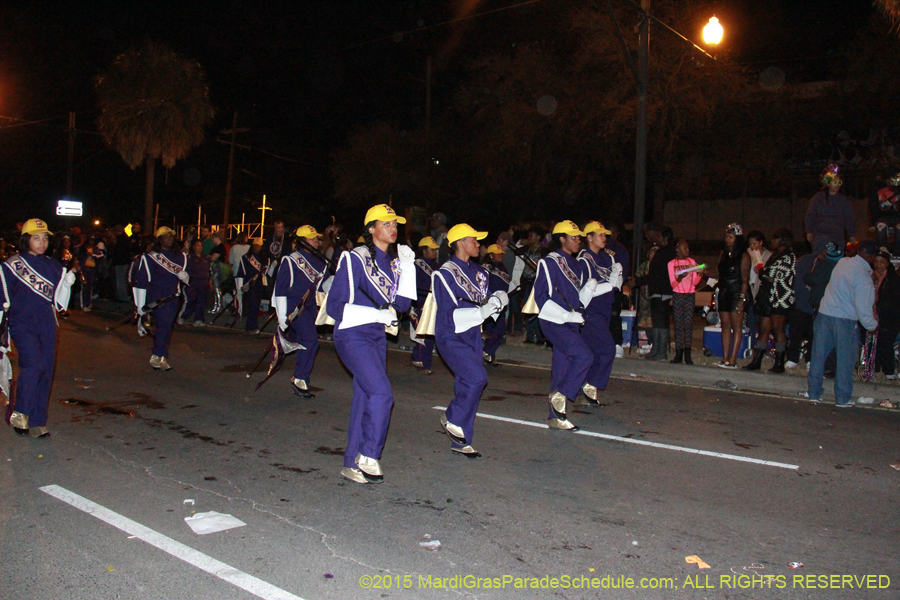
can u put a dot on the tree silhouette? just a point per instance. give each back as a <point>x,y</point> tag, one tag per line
<point>154,104</point>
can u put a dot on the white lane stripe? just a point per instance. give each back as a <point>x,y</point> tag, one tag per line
<point>247,582</point>
<point>615,438</point>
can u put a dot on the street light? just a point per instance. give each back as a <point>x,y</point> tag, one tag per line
<point>712,33</point>
<point>642,79</point>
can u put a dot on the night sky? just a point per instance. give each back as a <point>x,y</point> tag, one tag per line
<point>302,76</point>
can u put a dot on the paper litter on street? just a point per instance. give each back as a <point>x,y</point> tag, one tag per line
<point>211,522</point>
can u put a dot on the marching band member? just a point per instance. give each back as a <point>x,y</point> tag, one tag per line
<point>498,280</point>
<point>460,289</point>
<point>250,275</point>
<point>595,262</point>
<point>33,287</point>
<point>160,275</point>
<point>368,283</point>
<point>298,277</point>
<point>561,298</point>
<point>425,266</point>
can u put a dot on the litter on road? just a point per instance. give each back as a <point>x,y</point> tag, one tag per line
<point>212,522</point>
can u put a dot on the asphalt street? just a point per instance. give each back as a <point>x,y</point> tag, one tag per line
<point>746,483</point>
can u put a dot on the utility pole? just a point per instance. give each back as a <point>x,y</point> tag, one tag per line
<point>233,131</point>
<point>71,165</point>
<point>262,226</point>
<point>640,151</point>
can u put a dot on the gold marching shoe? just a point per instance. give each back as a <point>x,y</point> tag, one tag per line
<point>558,406</point>
<point>370,468</point>
<point>19,422</point>
<point>164,364</point>
<point>590,396</point>
<point>467,451</point>
<point>154,362</point>
<point>301,389</point>
<point>354,475</point>
<point>418,364</point>
<point>39,432</point>
<point>454,432</point>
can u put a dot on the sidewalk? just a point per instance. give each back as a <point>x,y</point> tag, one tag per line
<point>703,374</point>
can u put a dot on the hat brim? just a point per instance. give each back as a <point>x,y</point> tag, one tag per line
<point>577,232</point>
<point>432,246</point>
<point>600,230</point>
<point>36,231</point>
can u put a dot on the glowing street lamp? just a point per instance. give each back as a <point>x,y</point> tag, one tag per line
<point>712,33</point>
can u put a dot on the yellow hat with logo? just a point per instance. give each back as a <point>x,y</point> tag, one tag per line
<point>495,249</point>
<point>428,242</point>
<point>382,212</point>
<point>568,228</point>
<point>458,232</point>
<point>596,227</point>
<point>164,231</point>
<point>308,232</point>
<point>33,226</point>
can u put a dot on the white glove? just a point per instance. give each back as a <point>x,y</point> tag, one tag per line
<point>386,317</point>
<point>69,279</point>
<point>465,319</point>
<point>239,284</point>
<point>603,288</point>
<point>587,291</point>
<point>281,312</point>
<point>503,297</point>
<point>554,313</point>
<point>184,277</point>
<point>405,254</point>
<point>140,299</point>
<point>615,275</point>
<point>573,316</point>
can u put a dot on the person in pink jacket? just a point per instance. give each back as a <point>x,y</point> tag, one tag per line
<point>683,285</point>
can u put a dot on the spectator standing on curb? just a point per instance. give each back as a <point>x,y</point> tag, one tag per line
<point>755,259</point>
<point>849,299</point>
<point>238,250</point>
<point>829,213</point>
<point>683,286</point>
<point>660,290</point>
<point>800,318</point>
<point>774,300</point>
<point>887,312</point>
<point>733,290</point>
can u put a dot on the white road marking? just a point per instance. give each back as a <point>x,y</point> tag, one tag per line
<point>615,438</point>
<point>255,586</point>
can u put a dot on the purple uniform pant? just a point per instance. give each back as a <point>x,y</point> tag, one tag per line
<point>251,301</point>
<point>423,352</point>
<point>165,317</point>
<point>571,359</point>
<point>363,350</point>
<point>596,334</point>
<point>469,381</point>
<point>303,331</point>
<point>36,345</point>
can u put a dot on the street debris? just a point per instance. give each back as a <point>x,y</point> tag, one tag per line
<point>865,400</point>
<point>726,384</point>
<point>895,466</point>
<point>430,544</point>
<point>795,565</point>
<point>887,404</point>
<point>189,501</point>
<point>329,576</point>
<point>696,560</point>
<point>212,522</point>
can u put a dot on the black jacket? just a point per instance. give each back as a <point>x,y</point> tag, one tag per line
<point>657,277</point>
<point>887,301</point>
<point>818,279</point>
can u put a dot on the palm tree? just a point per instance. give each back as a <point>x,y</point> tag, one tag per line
<point>891,8</point>
<point>153,103</point>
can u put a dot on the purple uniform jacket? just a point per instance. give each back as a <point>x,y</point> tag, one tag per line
<point>157,273</point>
<point>596,266</point>
<point>558,274</point>
<point>357,282</point>
<point>31,283</point>
<point>458,284</point>
<point>299,271</point>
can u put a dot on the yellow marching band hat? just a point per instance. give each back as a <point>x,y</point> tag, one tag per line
<point>428,242</point>
<point>35,226</point>
<point>308,232</point>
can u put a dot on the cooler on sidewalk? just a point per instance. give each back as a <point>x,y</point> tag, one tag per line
<point>712,341</point>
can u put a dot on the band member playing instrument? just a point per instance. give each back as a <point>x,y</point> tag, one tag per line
<point>369,289</point>
<point>299,274</point>
<point>160,274</point>
<point>562,299</point>
<point>596,263</point>
<point>33,288</point>
<point>460,289</point>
